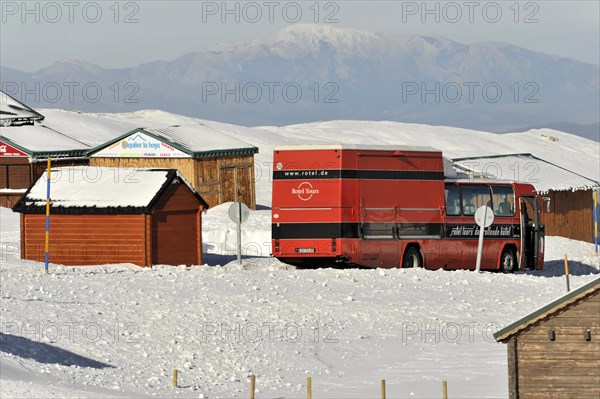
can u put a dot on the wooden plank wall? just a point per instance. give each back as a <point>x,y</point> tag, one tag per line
<point>86,239</point>
<point>569,366</point>
<point>9,200</point>
<point>184,165</point>
<point>176,228</point>
<point>572,215</point>
<point>214,178</point>
<point>15,172</point>
<point>220,177</point>
<point>20,173</point>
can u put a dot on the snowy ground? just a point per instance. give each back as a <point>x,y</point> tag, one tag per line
<point>119,331</point>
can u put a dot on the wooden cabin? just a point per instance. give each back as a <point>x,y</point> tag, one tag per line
<point>571,212</point>
<point>555,351</point>
<point>103,215</point>
<point>219,167</point>
<point>26,144</point>
<point>24,151</point>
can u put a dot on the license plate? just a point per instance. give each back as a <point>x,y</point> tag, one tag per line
<point>305,250</point>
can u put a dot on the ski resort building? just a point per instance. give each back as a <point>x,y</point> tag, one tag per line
<point>571,212</point>
<point>104,215</point>
<point>24,147</point>
<point>555,351</point>
<point>219,167</point>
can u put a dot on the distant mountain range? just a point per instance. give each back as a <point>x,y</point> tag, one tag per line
<point>314,72</point>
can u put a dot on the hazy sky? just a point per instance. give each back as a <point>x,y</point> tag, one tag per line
<point>33,35</point>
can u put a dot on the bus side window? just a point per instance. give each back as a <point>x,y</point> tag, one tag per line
<point>474,196</point>
<point>504,200</point>
<point>452,200</point>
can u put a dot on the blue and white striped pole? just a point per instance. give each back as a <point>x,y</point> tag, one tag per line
<point>47,216</point>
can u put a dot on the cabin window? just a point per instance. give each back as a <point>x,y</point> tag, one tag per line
<point>452,200</point>
<point>474,196</point>
<point>504,200</point>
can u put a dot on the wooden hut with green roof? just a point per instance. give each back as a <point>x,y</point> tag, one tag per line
<point>218,166</point>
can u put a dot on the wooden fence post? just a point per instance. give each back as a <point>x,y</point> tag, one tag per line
<point>308,387</point>
<point>382,389</point>
<point>445,389</point>
<point>567,273</point>
<point>252,385</point>
<point>175,376</point>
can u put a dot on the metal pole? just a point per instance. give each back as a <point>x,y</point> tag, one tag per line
<point>47,215</point>
<point>480,246</point>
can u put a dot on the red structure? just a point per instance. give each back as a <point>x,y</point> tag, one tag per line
<point>104,215</point>
<point>392,207</point>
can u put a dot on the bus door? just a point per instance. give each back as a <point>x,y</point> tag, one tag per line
<point>539,233</point>
<point>528,247</point>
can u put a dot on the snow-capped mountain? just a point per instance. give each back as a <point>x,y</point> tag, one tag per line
<point>314,72</point>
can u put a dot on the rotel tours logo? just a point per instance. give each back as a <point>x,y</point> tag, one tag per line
<point>305,191</point>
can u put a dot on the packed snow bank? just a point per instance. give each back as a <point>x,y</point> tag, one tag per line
<point>121,330</point>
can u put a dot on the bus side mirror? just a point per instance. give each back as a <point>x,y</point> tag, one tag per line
<point>548,203</point>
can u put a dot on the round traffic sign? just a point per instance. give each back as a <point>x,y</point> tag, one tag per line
<point>484,216</point>
<point>234,212</point>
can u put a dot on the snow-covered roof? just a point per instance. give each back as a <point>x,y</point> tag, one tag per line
<point>526,168</point>
<point>101,190</point>
<point>196,141</point>
<point>369,147</point>
<point>580,294</point>
<point>40,140</point>
<point>200,139</point>
<point>13,112</point>
<point>92,129</point>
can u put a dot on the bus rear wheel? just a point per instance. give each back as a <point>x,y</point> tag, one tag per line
<point>508,261</point>
<point>412,258</point>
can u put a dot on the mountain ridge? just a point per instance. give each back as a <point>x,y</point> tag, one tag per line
<point>367,75</point>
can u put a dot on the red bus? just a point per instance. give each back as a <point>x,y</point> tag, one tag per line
<point>384,206</point>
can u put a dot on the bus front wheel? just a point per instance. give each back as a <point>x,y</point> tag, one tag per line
<point>508,261</point>
<point>412,258</point>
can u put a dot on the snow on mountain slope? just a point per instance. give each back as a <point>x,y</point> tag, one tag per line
<point>371,76</point>
<point>566,150</point>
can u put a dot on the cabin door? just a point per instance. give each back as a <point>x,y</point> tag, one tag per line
<point>236,179</point>
<point>539,233</point>
<point>528,239</point>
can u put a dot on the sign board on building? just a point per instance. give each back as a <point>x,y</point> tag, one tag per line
<point>140,145</point>
<point>10,151</point>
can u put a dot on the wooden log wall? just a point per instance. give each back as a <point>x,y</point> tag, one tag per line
<point>572,215</point>
<point>569,366</point>
<point>85,239</point>
<point>215,179</point>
